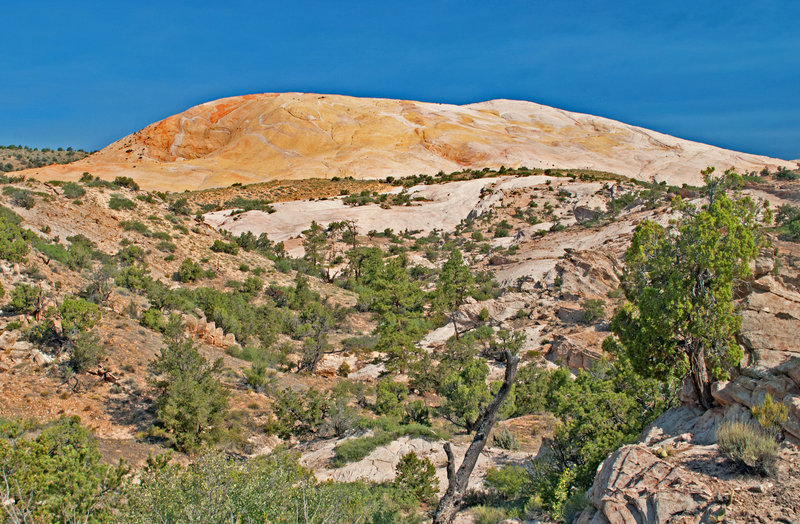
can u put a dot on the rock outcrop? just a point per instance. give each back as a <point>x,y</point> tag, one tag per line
<point>634,485</point>
<point>771,321</point>
<point>675,473</point>
<point>271,136</point>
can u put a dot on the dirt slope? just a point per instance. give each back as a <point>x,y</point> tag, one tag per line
<point>256,138</point>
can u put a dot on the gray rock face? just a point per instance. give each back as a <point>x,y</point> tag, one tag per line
<point>585,214</point>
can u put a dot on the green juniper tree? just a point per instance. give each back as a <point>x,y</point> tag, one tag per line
<point>454,286</point>
<point>680,316</point>
<point>58,476</point>
<point>191,403</point>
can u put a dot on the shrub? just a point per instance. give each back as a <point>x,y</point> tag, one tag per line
<point>506,439</point>
<point>343,418</point>
<point>191,403</point>
<point>77,316</point>
<point>86,352</point>
<point>593,310</point>
<point>133,277</point>
<point>231,248</point>
<point>297,413</point>
<point>25,299</point>
<point>247,204</point>
<point>126,181</point>
<point>58,476</point>
<point>152,318</point>
<point>273,488</point>
<point>72,190</point>
<point>166,247</point>
<point>786,174</point>
<point>509,482</point>
<point>771,415</point>
<point>489,514</point>
<point>130,254</point>
<point>256,376</point>
<point>118,202</point>
<point>417,476</point>
<point>386,430</point>
<point>189,271</point>
<point>180,207</point>
<point>389,396</point>
<point>355,449</point>
<point>160,235</point>
<point>788,221</point>
<point>417,412</point>
<point>22,198</point>
<point>13,241</point>
<point>135,225</point>
<point>749,447</point>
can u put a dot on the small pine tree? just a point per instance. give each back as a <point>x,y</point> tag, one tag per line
<point>191,403</point>
<point>417,476</point>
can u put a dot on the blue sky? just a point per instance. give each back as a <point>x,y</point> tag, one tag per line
<point>83,74</point>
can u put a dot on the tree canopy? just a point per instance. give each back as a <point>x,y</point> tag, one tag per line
<point>680,316</point>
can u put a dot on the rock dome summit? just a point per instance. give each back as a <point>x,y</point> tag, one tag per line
<point>271,136</point>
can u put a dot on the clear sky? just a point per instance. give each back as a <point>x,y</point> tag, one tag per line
<point>84,73</point>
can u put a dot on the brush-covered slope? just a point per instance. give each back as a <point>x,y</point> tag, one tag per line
<point>263,137</point>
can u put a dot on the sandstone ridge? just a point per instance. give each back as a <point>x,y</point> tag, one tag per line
<point>261,137</point>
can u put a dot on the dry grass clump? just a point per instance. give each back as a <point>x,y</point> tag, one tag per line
<point>749,447</point>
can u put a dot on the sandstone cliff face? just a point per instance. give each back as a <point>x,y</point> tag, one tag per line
<point>272,136</point>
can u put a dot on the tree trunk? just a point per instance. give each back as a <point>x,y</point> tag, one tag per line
<point>700,379</point>
<point>455,326</point>
<point>457,480</point>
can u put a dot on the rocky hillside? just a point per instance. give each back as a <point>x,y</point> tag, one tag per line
<point>322,305</point>
<point>263,137</point>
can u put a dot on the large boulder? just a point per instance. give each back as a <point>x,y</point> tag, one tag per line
<point>750,388</point>
<point>634,485</point>
<point>579,350</point>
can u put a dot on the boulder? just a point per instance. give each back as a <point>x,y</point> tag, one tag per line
<point>791,369</point>
<point>39,358</point>
<point>726,393</point>
<point>7,339</point>
<point>634,485</point>
<point>585,214</point>
<point>228,340</point>
<point>572,353</point>
<point>570,315</point>
<point>792,425</point>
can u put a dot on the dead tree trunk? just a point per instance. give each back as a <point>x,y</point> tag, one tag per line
<point>457,480</point>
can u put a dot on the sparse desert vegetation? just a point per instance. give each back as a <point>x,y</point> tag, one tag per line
<point>242,340</point>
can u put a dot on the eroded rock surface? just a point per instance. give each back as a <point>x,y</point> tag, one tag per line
<point>271,136</point>
<point>634,485</point>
